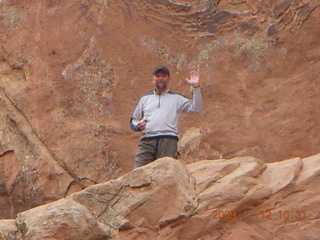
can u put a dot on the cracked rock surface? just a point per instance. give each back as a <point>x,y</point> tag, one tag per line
<point>238,198</point>
<point>71,73</point>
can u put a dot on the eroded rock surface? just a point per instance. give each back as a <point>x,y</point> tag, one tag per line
<point>71,73</point>
<point>239,198</point>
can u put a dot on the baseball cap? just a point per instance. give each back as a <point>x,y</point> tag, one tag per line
<point>161,68</point>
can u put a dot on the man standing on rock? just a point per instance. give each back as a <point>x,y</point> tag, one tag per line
<point>157,115</point>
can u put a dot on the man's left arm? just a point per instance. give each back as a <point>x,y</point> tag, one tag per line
<point>194,105</point>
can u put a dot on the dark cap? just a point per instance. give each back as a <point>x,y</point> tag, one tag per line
<point>161,68</point>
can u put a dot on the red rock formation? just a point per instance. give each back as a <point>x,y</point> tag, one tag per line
<point>239,198</point>
<point>72,71</point>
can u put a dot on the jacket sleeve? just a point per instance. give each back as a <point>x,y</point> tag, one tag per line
<point>137,114</point>
<point>194,105</point>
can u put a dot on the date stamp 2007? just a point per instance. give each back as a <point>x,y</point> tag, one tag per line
<point>265,214</point>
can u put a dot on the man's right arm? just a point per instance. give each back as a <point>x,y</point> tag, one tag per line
<point>136,116</point>
<point>134,124</point>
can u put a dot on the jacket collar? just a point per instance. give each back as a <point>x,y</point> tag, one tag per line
<point>166,91</point>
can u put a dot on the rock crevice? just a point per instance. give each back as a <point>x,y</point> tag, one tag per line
<point>240,198</point>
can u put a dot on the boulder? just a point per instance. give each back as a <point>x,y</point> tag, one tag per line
<point>239,198</point>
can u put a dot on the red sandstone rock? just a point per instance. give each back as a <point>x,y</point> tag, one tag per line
<point>72,71</point>
<point>169,200</point>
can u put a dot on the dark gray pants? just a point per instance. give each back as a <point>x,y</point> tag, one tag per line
<point>151,149</point>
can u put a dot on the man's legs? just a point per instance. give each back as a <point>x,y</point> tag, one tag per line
<point>167,147</point>
<point>145,152</point>
<point>154,148</point>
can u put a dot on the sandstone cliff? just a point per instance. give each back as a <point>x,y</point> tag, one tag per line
<point>239,198</point>
<point>72,71</point>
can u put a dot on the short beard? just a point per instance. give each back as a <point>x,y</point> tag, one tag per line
<point>161,86</point>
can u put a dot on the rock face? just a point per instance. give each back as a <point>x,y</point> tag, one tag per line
<point>71,73</point>
<point>239,198</point>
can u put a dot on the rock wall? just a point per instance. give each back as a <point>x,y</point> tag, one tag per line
<point>72,71</point>
<point>239,198</point>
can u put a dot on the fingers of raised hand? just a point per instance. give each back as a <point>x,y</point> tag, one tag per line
<point>194,73</point>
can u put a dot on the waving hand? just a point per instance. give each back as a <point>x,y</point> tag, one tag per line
<point>194,78</point>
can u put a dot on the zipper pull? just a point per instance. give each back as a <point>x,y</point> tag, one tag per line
<point>159,101</point>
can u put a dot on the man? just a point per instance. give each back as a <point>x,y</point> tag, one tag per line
<point>157,115</point>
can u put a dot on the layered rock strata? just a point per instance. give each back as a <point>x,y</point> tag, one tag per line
<point>239,198</point>
<point>71,73</point>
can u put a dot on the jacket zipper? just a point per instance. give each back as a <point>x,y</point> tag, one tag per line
<point>159,100</point>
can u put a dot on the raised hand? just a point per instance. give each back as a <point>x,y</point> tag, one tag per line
<point>194,78</point>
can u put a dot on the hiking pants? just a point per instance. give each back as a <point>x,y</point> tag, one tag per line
<point>151,149</point>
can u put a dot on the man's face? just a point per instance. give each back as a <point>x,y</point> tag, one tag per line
<point>161,80</point>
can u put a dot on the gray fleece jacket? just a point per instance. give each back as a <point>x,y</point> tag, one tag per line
<point>162,112</point>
